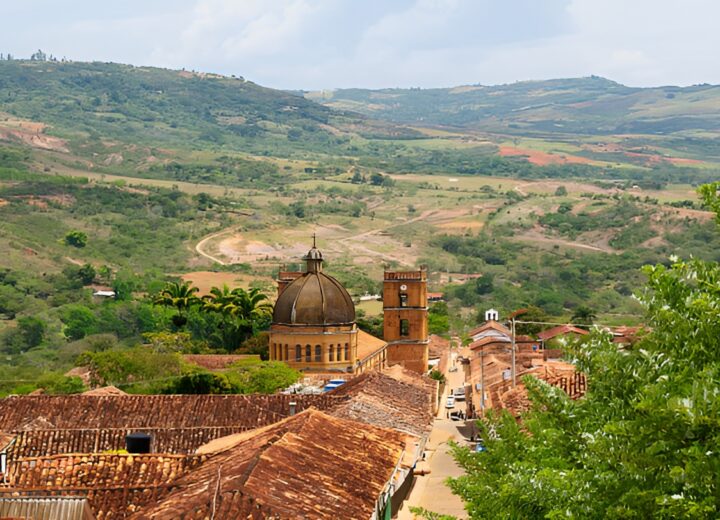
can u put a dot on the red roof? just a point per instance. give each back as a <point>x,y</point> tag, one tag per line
<point>490,325</point>
<point>489,340</point>
<point>560,330</point>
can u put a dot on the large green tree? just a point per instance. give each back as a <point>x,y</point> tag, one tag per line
<point>642,443</point>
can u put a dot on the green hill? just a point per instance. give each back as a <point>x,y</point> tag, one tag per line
<point>591,105</point>
<point>86,102</point>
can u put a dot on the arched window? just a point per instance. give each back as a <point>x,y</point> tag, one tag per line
<point>318,353</point>
<point>298,353</point>
<point>331,352</point>
<point>347,352</point>
<point>308,353</point>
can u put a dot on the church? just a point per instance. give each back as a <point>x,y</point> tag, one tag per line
<point>314,330</point>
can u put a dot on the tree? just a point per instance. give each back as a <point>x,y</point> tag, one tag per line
<point>199,383</point>
<point>32,330</point>
<point>583,315</point>
<point>86,273</point>
<point>438,318</point>
<point>79,321</point>
<point>561,191</point>
<point>642,443</point>
<point>181,296</point>
<point>76,238</point>
<point>243,313</point>
<point>532,313</point>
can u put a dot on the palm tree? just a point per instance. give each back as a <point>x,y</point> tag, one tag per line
<point>584,315</point>
<point>241,310</point>
<point>180,296</point>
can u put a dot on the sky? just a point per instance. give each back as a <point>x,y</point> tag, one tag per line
<point>324,44</point>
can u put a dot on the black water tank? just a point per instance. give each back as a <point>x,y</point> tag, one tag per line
<point>138,442</point>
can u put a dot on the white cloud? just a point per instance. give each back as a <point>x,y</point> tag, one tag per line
<point>330,43</point>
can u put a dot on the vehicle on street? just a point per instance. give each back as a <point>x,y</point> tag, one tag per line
<point>450,403</point>
<point>459,394</point>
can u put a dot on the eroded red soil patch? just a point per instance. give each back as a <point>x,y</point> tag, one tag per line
<point>542,158</point>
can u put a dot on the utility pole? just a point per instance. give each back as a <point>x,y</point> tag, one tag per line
<point>482,381</point>
<point>512,342</point>
<point>512,350</point>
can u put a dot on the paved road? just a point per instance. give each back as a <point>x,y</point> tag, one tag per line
<point>430,491</point>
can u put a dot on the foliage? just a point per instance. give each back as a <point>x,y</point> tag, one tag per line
<point>642,443</point>
<point>60,384</point>
<point>199,383</point>
<point>123,366</point>
<point>79,321</point>
<point>181,296</point>
<point>583,315</point>
<point>438,318</point>
<point>76,238</point>
<point>437,375</point>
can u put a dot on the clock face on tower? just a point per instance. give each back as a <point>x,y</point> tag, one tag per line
<point>403,287</point>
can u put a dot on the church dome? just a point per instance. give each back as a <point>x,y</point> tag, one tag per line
<point>314,298</point>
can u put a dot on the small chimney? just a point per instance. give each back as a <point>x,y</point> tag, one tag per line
<point>138,442</point>
<point>293,407</point>
<point>491,314</point>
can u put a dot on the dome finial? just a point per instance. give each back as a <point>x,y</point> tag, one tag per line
<point>314,257</point>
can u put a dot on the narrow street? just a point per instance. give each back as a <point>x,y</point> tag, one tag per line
<point>430,490</point>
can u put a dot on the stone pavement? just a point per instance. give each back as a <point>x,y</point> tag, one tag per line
<point>430,491</point>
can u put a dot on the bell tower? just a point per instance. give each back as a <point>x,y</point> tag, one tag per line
<point>405,319</point>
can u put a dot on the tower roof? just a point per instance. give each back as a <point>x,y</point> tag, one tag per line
<point>314,298</point>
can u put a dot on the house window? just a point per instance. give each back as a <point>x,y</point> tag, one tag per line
<point>308,353</point>
<point>318,353</point>
<point>347,352</point>
<point>331,352</point>
<point>286,357</point>
<point>298,353</point>
<point>403,300</point>
<point>404,328</point>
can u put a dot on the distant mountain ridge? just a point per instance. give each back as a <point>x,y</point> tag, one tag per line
<point>162,107</point>
<point>591,105</point>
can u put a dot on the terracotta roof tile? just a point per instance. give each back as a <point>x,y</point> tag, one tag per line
<point>381,400</point>
<point>560,330</point>
<point>216,361</point>
<point>308,466</point>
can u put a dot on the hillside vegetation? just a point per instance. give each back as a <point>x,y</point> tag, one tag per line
<point>120,178</point>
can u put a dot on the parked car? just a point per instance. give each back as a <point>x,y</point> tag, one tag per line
<point>457,415</point>
<point>459,394</point>
<point>450,403</point>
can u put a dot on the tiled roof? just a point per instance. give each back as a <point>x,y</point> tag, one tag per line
<point>50,425</point>
<point>147,411</point>
<point>384,401</point>
<point>490,340</point>
<point>105,390</point>
<point>114,485</point>
<point>437,346</point>
<point>36,443</point>
<point>490,325</point>
<point>367,344</point>
<point>560,330</point>
<point>311,465</point>
<point>216,361</point>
